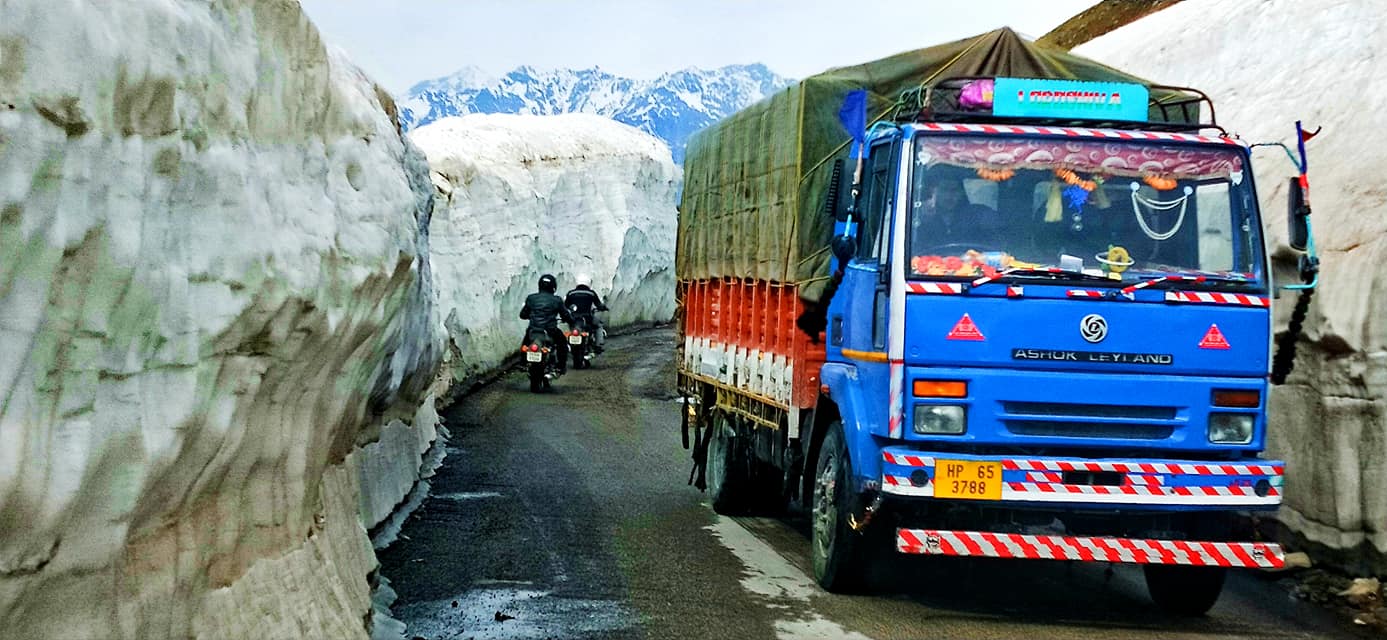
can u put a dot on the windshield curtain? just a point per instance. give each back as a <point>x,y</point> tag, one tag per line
<point>1123,210</point>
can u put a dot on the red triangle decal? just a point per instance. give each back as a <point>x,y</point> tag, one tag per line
<point>1214,339</point>
<point>966,330</point>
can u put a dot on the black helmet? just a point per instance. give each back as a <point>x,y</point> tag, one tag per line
<point>548,284</point>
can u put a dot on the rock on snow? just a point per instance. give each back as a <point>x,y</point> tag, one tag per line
<point>1267,64</point>
<point>520,196</point>
<point>214,287</point>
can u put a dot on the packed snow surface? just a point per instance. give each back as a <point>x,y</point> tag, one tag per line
<point>1266,65</point>
<point>520,196</point>
<point>214,290</point>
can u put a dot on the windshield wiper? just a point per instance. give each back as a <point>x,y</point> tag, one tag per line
<point>1040,272</point>
<point>1194,279</point>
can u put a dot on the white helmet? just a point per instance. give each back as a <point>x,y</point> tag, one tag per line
<point>583,280</point>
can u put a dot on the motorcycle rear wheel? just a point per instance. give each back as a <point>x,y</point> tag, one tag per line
<point>537,381</point>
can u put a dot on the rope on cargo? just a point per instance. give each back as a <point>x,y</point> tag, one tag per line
<point>838,149</point>
<point>816,254</point>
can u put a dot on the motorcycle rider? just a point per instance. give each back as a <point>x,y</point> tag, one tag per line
<point>584,303</point>
<point>544,309</point>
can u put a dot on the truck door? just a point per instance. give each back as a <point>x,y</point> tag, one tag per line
<point>858,313</point>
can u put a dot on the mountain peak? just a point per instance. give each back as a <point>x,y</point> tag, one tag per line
<point>469,76</point>
<point>671,107</point>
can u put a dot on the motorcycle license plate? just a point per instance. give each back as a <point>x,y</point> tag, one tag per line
<point>575,339</point>
<point>534,356</point>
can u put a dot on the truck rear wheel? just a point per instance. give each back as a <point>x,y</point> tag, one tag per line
<point>1186,591</point>
<point>768,489</point>
<point>727,470</point>
<point>838,551</point>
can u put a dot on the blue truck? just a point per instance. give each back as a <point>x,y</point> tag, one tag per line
<point>1041,329</point>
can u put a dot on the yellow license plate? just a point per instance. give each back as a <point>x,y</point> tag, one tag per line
<point>967,480</point>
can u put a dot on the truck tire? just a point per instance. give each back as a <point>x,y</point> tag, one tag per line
<point>1185,591</point>
<point>769,492</point>
<point>727,472</point>
<point>838,552</point>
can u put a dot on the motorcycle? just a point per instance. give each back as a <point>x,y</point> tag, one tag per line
<point>539,358</point>
<point>583,341</point>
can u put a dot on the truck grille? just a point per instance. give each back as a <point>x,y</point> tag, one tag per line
<point>1089,429</point>
<point>1068,410</point>
<point>1074,420</point>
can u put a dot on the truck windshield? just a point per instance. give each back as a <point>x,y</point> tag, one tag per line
<point>1119,210</point>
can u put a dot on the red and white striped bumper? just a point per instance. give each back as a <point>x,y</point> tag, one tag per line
<point>1143,482</point>
<point>1250,555</point>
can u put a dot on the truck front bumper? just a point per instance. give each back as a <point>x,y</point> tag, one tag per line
<point>1250,555</point>
<point>1081,482</point>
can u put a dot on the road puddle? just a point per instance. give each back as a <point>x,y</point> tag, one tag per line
<point>514,613</point>
<point>461,497</point>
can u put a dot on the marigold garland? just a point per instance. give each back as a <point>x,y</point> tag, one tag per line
<point>995,175</point>
<point>1071,178</point>
<point>1160,183</point>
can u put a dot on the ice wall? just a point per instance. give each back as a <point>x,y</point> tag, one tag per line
<point>520,196</point>
<point>1267,64</point>
<point>214,290</point>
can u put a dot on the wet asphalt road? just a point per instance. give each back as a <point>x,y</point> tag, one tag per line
<point>568,515</point>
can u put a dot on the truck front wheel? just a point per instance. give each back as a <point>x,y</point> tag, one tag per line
<point>839,560</point>
<point>1186,591</point>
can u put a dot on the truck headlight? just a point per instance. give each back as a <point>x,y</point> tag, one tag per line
<point>940,419</point>
<point>1230,428</point>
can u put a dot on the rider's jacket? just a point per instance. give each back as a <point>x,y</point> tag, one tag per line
<point>583,301</point>
<point>544,310</point>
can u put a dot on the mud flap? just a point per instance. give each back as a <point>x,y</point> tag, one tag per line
<point>702,434</point>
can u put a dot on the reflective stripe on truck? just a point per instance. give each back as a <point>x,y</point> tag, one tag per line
<point>1130,482</point>
<point>1251,555</point>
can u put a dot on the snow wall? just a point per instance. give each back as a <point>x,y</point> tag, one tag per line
<point>218,338</point>
<point>1267,64</point>
<point>520,196</point>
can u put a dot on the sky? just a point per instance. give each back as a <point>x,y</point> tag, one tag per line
<point>404,42</point>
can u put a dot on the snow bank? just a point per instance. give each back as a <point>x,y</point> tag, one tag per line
<point>214,288</point>
<point>520,196</point>
<point>1267,64</point>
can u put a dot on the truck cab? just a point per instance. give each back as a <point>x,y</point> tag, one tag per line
<point>1051,340</point>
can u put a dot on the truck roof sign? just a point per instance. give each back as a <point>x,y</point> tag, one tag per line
<point>1043,98</point>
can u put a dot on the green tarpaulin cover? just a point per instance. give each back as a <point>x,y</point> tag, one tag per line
<point>754,183</point>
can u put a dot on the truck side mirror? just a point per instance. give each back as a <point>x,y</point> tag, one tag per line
<point>1297,217</point>
<point>844,248</point>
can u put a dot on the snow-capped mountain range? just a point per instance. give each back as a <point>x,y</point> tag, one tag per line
<point>671,107</point>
